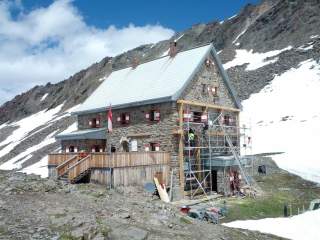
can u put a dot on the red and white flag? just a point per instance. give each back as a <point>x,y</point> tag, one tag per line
<point>110,119</point>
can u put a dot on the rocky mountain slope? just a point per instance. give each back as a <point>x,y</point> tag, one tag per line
<point>262,41</point>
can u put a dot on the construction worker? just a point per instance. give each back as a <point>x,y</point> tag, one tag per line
<point>191,138</point>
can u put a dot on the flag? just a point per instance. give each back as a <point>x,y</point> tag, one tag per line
<point>110,120</point>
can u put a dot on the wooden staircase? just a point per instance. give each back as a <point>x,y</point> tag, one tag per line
<point>74,169</point>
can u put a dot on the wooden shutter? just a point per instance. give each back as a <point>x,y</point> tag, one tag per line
<point>147,147</point>
<point>157,115</point>
<point>204,117</point>
<point>147,116</point>
<point>127,118</point>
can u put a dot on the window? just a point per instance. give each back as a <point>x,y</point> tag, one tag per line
<point>187,116</point>
<point>155,147</point>
<point>227,120</point>
<point>197,117</point>
<point>113,149</point>
<point>96,148</point>
<point>214,91</point>
<point>94,123</point>
<point>153,116</point>
<point>71,149</point>
<point>124,118</point>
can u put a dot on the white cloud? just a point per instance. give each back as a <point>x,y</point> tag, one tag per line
<point>50,44</point>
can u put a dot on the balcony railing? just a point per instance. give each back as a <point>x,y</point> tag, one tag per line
<point>106,160</point>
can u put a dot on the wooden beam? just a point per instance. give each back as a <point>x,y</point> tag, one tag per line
<point>181,146</point>
<point>207,105</point>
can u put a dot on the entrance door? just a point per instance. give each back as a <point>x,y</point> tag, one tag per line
<point>214,180</point>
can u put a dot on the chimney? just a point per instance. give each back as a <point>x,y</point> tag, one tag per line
<point>135,62</point>
<point>173,49</point>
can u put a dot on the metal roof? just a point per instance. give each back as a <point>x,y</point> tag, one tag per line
<point>159,80</point>
<point>84,134</point>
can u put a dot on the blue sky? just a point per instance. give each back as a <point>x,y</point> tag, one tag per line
<point>48,41</point>
<point>177,15</point>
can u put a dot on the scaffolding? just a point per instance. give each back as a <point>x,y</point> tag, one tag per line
<point>216,145</point>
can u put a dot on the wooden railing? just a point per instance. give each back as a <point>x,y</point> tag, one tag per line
<point>77,163</point>
<point>64,167</point>
<point>129,159</point>
<point>79,167</point>
<point>58,158</point>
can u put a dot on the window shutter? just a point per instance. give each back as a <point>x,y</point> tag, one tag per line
<point>157,147</point>
<point>75,149</point>
<point>148,116</point>
<point>156,115</point>
<point>147,147</point>
<point>98,122</point>
<point>90,123</point>
<point>119,119</point>
<point>127,118</point>
<point>204,117</point>
<point>186,116</point>
<point>67,149</point>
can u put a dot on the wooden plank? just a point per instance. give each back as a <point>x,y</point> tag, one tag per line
<point>162,191</point>
<point>207,105</point>
<point>181,146</point>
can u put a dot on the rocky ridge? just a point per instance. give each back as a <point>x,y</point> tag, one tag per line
<point>270,25</point>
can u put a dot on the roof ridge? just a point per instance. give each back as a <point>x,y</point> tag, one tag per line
<point>157,58</point>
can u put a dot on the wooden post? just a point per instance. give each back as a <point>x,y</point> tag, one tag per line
<point>181,146</point>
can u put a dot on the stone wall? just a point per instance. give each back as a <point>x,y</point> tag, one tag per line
<point>208,76</point>
<point>143,130</point>
<point>139,128</point>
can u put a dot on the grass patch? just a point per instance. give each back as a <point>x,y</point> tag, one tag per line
<point>103,228</point>
<point>67,236</point>
<point>279,189</point>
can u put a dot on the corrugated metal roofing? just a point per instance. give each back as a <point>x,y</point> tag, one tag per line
<point>159,80</point>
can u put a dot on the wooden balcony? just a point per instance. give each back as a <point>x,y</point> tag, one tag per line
<point>128,167</point>
<point>106,160</point>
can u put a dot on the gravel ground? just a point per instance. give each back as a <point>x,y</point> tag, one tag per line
<point>34,208</point>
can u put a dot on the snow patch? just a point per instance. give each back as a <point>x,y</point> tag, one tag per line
<point>232,17</point>
<point>306,48</point>
<point>303,226</point>
<point>71,128</point>
<point>44,97</point>
<point>39,168</point>
<point>314,36</point>
<point>26,126</point>
<point>17,161</point>
<point>243,32</point>
<point>102,79</point>
<point>254,60</point>
<point>285,118</point>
